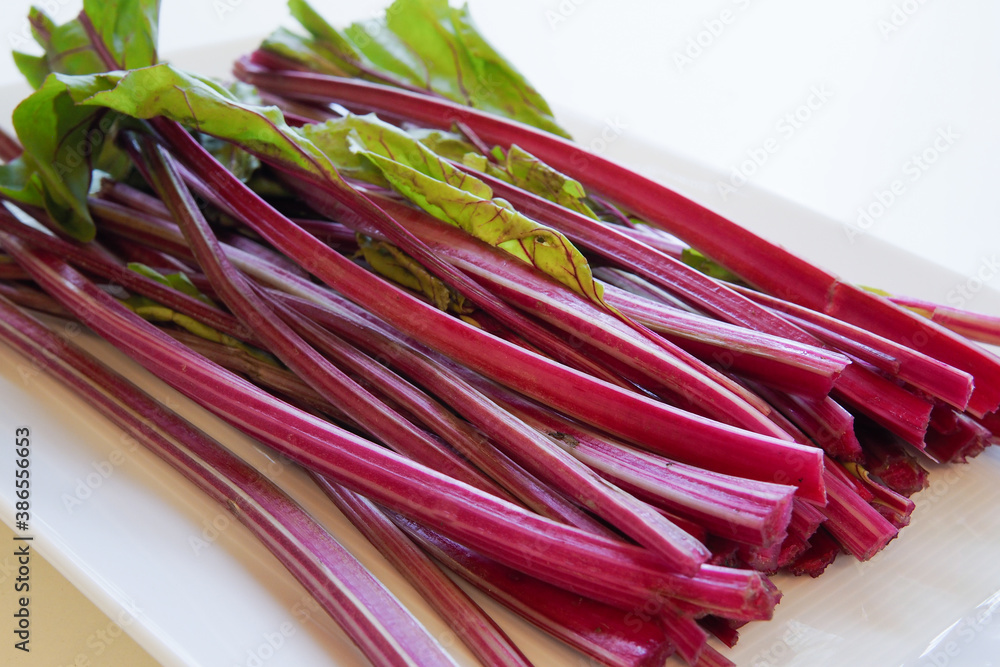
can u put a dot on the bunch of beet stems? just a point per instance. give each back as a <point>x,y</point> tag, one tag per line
<point>385,631</point>
<point>628,414</point>
<point>905,410</point>
<point>94,263</point>
<point>901,401</point>
<point>969,324</point>
<point>764,265</point>
<point>68,288</point>
<point>857,552</point>
<point>135,281</point>
<point>571,456</point>
<point>43,266</point>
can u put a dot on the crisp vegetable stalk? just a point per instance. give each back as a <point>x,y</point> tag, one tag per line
<point>851,520</point>
<point>428,372</point>
<point>542,456</point>
<point>751,512</point>
<point>85,258</point>
<point>821,420</point>
<point>532,292</point>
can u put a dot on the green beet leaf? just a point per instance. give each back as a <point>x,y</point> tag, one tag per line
<point>446,144</point>
<point>519,167</point>
<point>421,44</point>
<point>67,48</point>
<point>500,88</point>
<point>531,174</point>
<point>17,183</point>
<point>317,26</point>
<point>128,29</point>
<point>62,142</point>
<point>700,262</point>
<point>203,105</point>
<point>331,137</point>
<point>239,162</point>
<point>459,199</point>
<point>178,281</point>
<point>393,263</point>
<point>33,68</point>
<point>308,52</point>
<point>372,134</point>
<point>412,168</point>
<point>326,41</point>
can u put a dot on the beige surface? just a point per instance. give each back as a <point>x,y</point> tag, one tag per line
<point>67,630</point>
